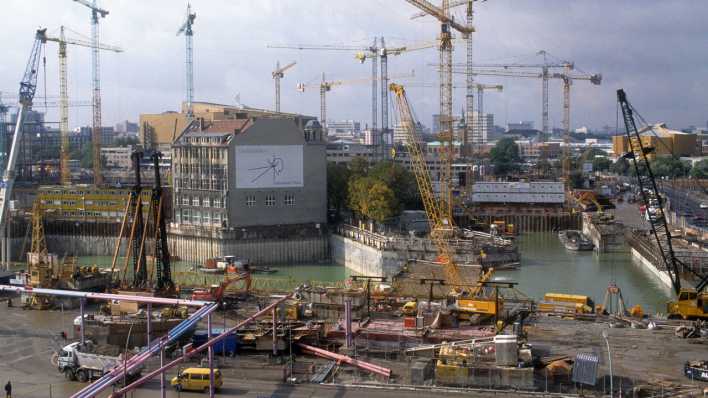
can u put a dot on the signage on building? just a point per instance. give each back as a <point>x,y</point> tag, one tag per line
<point>269,166</point>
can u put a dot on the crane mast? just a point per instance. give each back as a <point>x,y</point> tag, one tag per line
<point>470,133</point>
<point>278,74</point>
<point>186,28</point>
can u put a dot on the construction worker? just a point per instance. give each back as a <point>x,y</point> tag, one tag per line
<point>8,390</point>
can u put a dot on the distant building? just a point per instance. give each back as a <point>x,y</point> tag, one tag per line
<point>524,125</point>
<point>350,127</point>
<point>582,130</point>
<point>345,152</point>
<point>481,128</point>
<point>117,157</point>
<point>529,149</point>
<point>107,134</point>
<point>663,140</point>
<point>495,193</point>
<point>126,127</point>
<point>400,135</point>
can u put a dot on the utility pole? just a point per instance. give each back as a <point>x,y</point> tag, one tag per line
<point>368,280</point>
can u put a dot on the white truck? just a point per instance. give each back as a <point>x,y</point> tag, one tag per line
<point>77,363</point>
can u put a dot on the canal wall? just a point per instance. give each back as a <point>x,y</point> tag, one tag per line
<point>603,232</point>
<point>529,220</point>
<point>367,253</point>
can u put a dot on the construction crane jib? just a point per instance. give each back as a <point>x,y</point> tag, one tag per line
<point>186,28</point>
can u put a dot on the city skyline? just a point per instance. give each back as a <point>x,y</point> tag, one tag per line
<point>231,58</point>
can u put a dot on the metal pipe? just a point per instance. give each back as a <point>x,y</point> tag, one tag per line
<point>348,322</point>
<point>104,296</point>
<point>162,376</point>
<point>115,374</point>
<point>211,358</point>
<point>187,355</point>
<point>82,327</point>
<point>275,347</point>
<point>149,323</point>
<point>349,360</point>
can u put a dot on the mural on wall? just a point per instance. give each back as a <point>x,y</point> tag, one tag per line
<point>269,166</point>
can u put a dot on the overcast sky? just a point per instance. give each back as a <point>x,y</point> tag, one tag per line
<point>655,49</point>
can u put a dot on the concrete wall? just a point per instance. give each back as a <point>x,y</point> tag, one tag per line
<point>196,249</point>
<point>363,259</point>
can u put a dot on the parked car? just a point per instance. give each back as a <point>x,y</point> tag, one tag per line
<point>196,379</point>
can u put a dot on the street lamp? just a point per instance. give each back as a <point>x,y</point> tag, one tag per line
<point>609,358</point>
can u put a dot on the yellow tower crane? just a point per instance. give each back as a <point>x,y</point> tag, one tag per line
<point>63,91</point>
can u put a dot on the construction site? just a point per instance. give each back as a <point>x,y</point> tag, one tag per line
<point>239,251</point>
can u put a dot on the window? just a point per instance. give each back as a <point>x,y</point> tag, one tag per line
<point>270,200</point>
<point>217,202</point>
<point>206,217</point>
<point>217,218</point>
<point>185,216</point>
<point>185,200</point>
<point>195,201</point>
<point>207,202</point>
<point>250,201</point>
<point>289,199</point>
<point>196,217</point>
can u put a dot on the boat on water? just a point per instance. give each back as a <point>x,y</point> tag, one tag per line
<point>574,240</point>
<point>225,264</point>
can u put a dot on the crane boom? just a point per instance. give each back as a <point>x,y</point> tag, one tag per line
<point>28,87</point>
<point>639,155</point>
<point>441,224</point>
<point>186,28</point>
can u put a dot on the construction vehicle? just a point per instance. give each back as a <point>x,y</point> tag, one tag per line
<point>462,301</point>
<point>76,363</point>
<point>216,292</point>
<point>691,303</point>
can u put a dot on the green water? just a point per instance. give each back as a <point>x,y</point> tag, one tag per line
<point>546,266</point>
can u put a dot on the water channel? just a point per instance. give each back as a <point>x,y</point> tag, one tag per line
<point>546,266</point>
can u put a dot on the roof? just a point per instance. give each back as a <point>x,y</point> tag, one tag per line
<point>660,129</point>
<point>226,126</point>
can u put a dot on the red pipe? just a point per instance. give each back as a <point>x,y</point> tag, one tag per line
<point>201,348</point>
<point>386,372</point>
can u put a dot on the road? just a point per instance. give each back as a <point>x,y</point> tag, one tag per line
<point>686,204</point>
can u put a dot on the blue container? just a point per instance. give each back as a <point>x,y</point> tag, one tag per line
<point>228,345</point>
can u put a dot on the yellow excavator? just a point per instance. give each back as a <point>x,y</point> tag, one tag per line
<point>464,300</point>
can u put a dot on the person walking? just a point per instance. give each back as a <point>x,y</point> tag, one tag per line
<point>8,390</point>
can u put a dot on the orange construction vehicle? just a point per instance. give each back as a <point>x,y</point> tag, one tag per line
<point>216,292</point>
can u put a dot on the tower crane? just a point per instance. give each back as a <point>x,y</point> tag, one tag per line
<point>374,52</point>
<point>63,92</point>
<point>278,74</point>
<point>447,24</point>
<point>95,72</point>
<point>691,302</point>
<point>326,86</point>
<point>481,88</point>
<point>186,28</point>
<point>28,87</point>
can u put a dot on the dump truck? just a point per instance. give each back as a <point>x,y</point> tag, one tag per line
<point>76,363</point>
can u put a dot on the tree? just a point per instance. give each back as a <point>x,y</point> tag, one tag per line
<point>125,141</point>
<point>372,198</point>
<point>620,166</point>
<point>670,167</point>
<point>700,169</point>
<point>601,164</point>
<point>359,166</point>
<point>577,179</point>
<point>505,156</point>
<point>337,179</point>
<point>401,181</point>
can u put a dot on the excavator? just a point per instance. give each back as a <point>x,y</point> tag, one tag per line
<point>465,301</point>
<point>216,292</point>
<point>691,303</point>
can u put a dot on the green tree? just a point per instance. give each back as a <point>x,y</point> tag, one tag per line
<point>401,181</point>
<point>86,160</point>
<point>577,179</point>
<point>125,141</point>
<point>601,164</point>
<point>337,179</point>
<point>700,169</point>
<point>382,203</point>
<point>359,166</point>
<point>620,166</point>
<point>670,167</point>
<point>505,157</point>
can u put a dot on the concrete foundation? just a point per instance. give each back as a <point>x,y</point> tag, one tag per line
<point>603,232</point>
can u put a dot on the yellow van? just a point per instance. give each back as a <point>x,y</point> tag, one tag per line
<point>196,379</point>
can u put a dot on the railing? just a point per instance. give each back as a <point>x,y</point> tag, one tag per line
<point>366,237</point>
